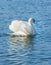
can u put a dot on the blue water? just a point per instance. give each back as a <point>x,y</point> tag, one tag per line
<point>19,50</point>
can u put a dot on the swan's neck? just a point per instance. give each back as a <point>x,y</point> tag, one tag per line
<point>30,23</point>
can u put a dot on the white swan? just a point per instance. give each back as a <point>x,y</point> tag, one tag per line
<point>22,27</point>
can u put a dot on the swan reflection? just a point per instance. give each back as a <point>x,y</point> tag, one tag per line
<point>20,49</point>
<point>17,43</point>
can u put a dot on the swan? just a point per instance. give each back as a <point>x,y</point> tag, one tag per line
<point>19,27</point>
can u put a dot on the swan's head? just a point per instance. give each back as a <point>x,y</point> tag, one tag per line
<point>31,20</point>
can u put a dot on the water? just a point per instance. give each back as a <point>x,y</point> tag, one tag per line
<point>22,50</point>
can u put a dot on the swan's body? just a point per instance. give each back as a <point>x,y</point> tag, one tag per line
<point>22,27</point>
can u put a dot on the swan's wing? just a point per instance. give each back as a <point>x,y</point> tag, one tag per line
<point>15,25</point>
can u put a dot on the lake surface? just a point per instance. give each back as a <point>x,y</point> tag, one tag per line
<point>22,50</point>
